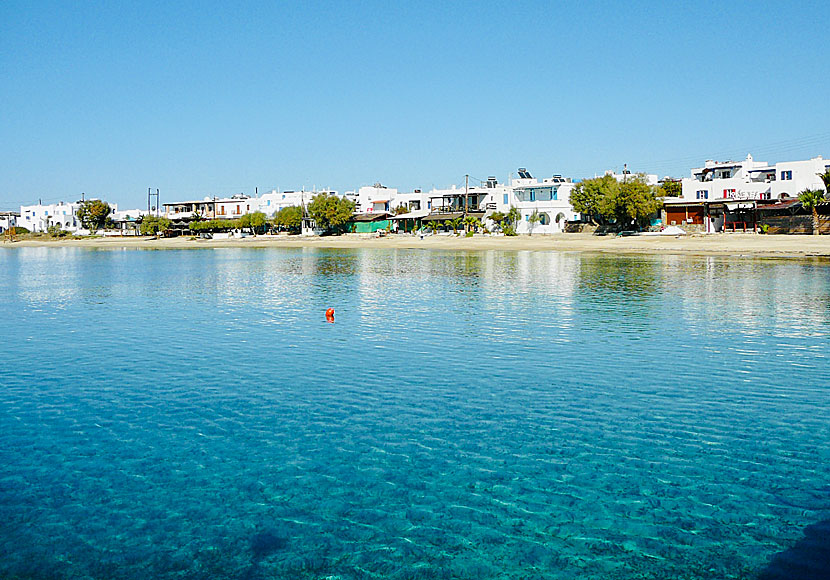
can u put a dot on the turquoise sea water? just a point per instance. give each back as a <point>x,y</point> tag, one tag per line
<point>191,414</point>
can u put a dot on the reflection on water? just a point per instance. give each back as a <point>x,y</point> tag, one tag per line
<point>470,415</point>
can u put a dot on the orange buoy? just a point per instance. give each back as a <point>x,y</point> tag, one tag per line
<point>330,315</point>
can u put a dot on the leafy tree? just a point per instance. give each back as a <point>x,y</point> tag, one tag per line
<point>401,209</point>
<point>289,218</point>
<point>532,220</point>
<point>213,225</point>
<point>810,198</point>
<point>55,231</point>
<point>671,188</point>
<point>825,177</point>
<point>330,211</point>
<point>630,203</point>
<point>255,221</point>
<point>506,221</point>
<point>93,214</point>
<point>151,225</point>
<point>590,195</point>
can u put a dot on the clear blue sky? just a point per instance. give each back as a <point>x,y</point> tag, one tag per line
<point>200,98</point>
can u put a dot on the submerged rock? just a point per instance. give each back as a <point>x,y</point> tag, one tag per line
<point>809,559</point>
<point>266,543</point>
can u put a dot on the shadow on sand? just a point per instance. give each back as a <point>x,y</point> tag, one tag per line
<point>809,559</point>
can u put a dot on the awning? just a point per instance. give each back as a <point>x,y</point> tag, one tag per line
<point>370,217</point>
<point>739,205</point>
<point>413,215</point>
<point>436,217</point>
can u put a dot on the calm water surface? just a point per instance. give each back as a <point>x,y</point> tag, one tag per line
<point>190,414</point>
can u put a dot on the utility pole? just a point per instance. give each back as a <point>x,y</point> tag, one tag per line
<point>151,195</point>
<point>466,193</point>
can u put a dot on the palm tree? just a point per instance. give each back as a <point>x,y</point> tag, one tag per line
<point>455,223</point>
<point>810,198</point>
<point>513,216</point>
<point>825,177</point>
<point>532,220</point>
<point>498,218</point>
<point>471,222</point>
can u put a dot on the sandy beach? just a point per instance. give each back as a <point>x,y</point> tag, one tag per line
<point>750,245</point>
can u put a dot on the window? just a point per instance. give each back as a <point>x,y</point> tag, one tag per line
<point>702,194</point>
<point>505,199</point>
<point>555,192</point>
<point>269,203</point>
<point>786,175</point>
<point>532,195</point>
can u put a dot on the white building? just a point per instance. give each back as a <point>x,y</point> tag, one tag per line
<point>374,198</point>
<point>8,219</point>
<point>211,207</point>
<point>753,180</point>
<point>38,218</point>
<point>273,201</point>
<point>650,178</point>
<point>549,198</point>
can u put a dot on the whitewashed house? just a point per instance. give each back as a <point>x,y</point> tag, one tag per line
<point>273,201</point>
<point>373,198</point>
<point>8,219</point>
<point>753,180</point>
<point>550,198</point>
<point>38,218</point>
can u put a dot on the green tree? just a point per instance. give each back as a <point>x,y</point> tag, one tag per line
<point>513,217</point>
<point>471,223</point>
<point>330,211</point>
<point>810,198</point>
<point>498,218</point>
<point>455,223</point>
<point>151,225</point>
<point>825,177</point>
<point>256,221</point>
<point>590,196</point>
<point>93,214</point>
<point>401,209</point>
<point>214,225</point>
<point>289,218</point>
<point>670,188</point>
<point>55,231</point>
<point>532,220</point>
<point>631,203</point>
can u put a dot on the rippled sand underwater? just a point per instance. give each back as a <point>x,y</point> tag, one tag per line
<point>191,414</point>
